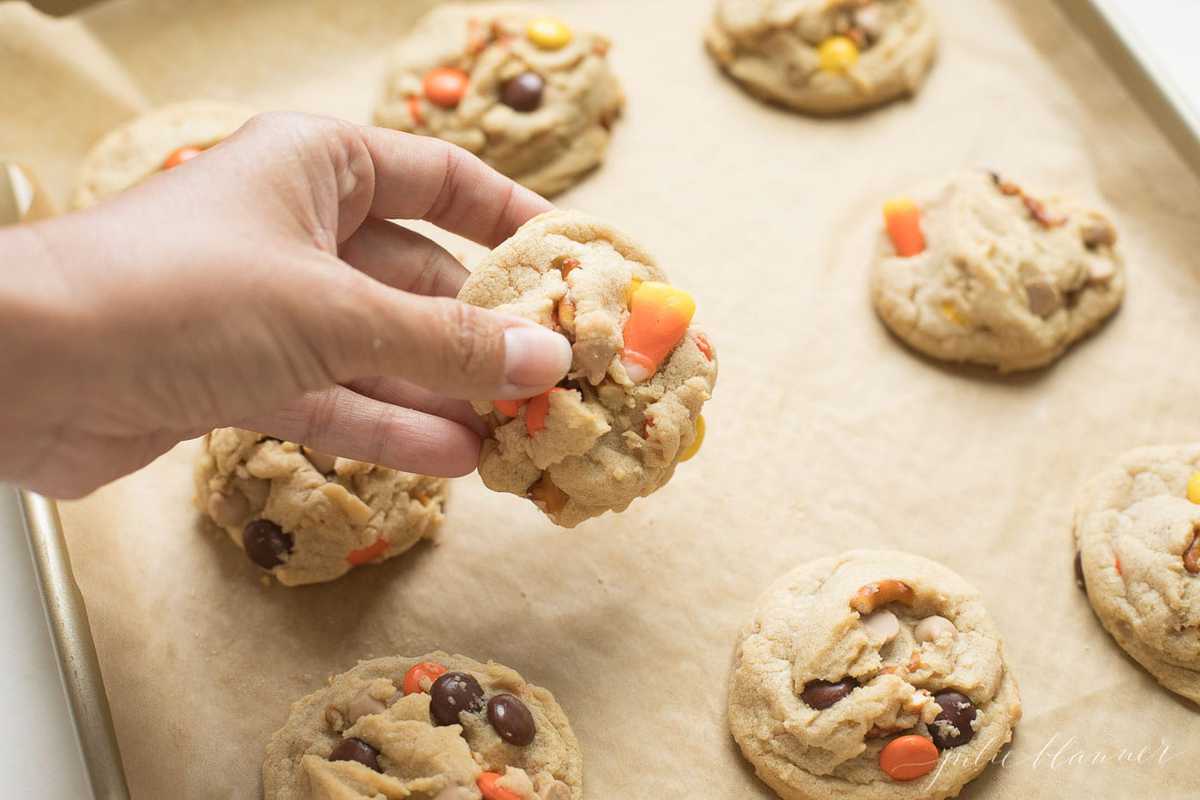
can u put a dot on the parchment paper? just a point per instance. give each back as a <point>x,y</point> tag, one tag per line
<point>825,433</point>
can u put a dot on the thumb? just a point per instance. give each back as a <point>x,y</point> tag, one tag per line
<point>449,347</point>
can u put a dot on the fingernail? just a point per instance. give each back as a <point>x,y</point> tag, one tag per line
<point>534,356</point>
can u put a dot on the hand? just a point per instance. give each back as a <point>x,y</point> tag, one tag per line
<point>260,285</point>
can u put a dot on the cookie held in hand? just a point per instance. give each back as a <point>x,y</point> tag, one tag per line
<point>629,410</point>
<point>978,270</point>
<point>876,674</point>
<point>523,90</point>
<point>439,726</point>
<point>306,517</point>
<point>824,56</point>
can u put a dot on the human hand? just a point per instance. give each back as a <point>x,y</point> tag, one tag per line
<point>259,285</point>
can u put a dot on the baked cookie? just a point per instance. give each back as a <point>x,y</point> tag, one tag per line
<point>521,90</point>
<point>629,410</point>
<point>439,727</point>
<point>306,517</point>
<point>155,141</point>
<point>860,674</point>
<point>978,270</point>
<point>1138,553</point>
<point>824,56</point>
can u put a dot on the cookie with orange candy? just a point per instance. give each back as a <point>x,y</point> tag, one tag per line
<point>158,140</point>
<point>977,269</point>
<point>629,410</point>
<point>437,727</point>
<point>521,88</point>
<point>824,56</point>
<point>307,517</point>
<point>873,675</point>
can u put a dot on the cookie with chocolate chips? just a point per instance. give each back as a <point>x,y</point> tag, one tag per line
<point>155,141</point>
<point>876,674</point>
<point>524,91</point>
<point>629,410</point>
<point>306,517</point>
<point>824,56</point>
<point>1137,536</point>
<point>979,270</point>
<point>441,727</point>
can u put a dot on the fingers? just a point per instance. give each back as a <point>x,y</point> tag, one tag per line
<point>417,177</point>
<point>402,393</point>
<point>347,424</point>
<point>403,259</point>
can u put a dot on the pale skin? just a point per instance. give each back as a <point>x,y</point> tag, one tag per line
<point>260,285</point>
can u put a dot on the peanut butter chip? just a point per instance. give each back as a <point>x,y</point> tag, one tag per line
<point>931,629</point>
<point>882,626</point>
<point>1098,233</point>
<point>1043,298</point>
<point>362,705</point>
<point>357,511</point>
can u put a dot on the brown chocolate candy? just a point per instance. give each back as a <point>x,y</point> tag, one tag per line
<point>511,719</point>
<point>356,750</point>
<point>957,711</point>
<point>524,92</point>
<point>267,544</point>
<point>452,694</point>
<point>822,694</point>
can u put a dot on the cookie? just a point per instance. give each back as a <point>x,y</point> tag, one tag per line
<point>153,142</point>
<point>440,727</point>
<point>629,410</point>
<point>306,517</point>
<point>1138,552</point>
<point>824,56</point>
<point>875,675</point>
<point>978,270</point>
<point>524,91</point>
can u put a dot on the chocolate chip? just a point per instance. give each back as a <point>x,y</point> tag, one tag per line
<point>822,694</point>
<point>524,92</point>
<point>1079,580</point>
<point>266,543</point>
<point>452,694</point>
<point>511,719</point>
<point>356,750</point>
<point>958,712</point>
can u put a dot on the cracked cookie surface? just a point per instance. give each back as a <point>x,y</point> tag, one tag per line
<point>307,517</point>
<point>522,90</point>
<point>993,275</point>
<point>142,147</point>
<point>1135,531</point>
<point>849,659</point>
<point>824,56</point>
<point>621,422</point>
<point>438,727</point>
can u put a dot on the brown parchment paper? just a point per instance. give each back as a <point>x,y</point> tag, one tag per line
<point>825,433</point>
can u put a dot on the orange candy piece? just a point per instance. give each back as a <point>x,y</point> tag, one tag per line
<point>185,153</point>
<point>487,785</point>
<point>537,410</point>
<point>509,408</point>
<point>418,673</point>
<point>659,315</point>
<point>446,86</point>
<point>907,758</point>
<point>903,220</point>
<point>368,553</point>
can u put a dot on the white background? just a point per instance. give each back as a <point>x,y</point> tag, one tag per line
<point>38,754</point>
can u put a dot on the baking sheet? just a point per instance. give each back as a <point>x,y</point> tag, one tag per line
<point>824,434</point>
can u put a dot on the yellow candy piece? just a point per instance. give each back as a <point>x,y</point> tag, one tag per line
<point>549,33</point>
<point>698,440</point>
<point>951,312</point>
<point>838,53</point>
<point>1193,489</point>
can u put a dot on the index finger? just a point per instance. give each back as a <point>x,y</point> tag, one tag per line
<point>418,177</point>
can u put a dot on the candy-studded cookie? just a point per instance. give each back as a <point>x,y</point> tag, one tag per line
<point>439,727</point>
<point>629,410</point>
<point>523,90</point>
<point>306,517</point>
<point>979,270</point>
<point>824,56</point>
<point>876,675</point>
<point>158,140</point>
<point>1137,536</point>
